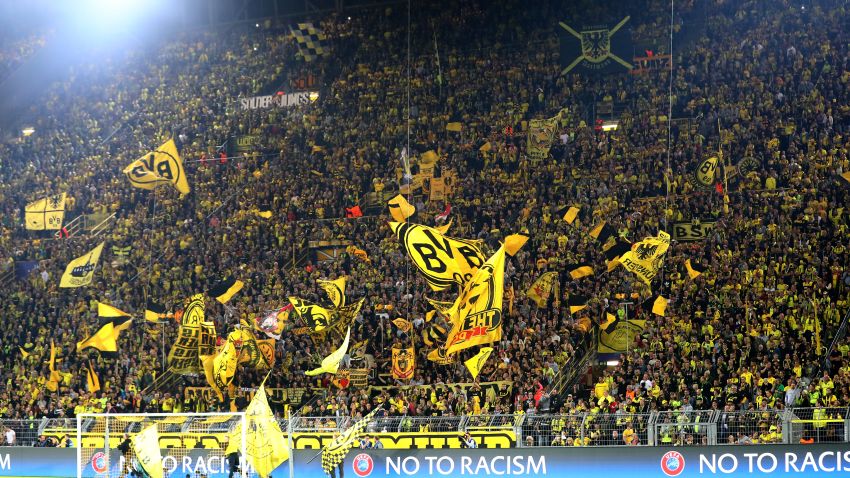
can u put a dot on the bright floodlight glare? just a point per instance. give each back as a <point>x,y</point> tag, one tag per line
<point>29,130</point>
<point>610,125</point>
<point>612,363</point>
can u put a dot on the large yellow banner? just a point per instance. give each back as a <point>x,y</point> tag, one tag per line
<point>404,363</point>
<point>444,261</point>
<point>646,256</point>
<point>47,213</point>
<point>162,165</point>
<point>80,271</point>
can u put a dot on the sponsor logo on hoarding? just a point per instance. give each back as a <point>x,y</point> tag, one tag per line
<point>98,462</point>
<point>363,465</point>
<point>672,463</point>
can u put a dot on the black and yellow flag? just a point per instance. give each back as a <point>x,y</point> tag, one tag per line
<point>476,315</point>
<point>345,315</point>
<point>541,132</point>
<point>403,324</point>
<point>596,48</point>
<point>358,253</point>
<point>265,445</point>
<point>106,338</point>
<point>335,451</point>
<point>577,303</point>
<point>658,305</point>
<point>602,232</point>
<point>646,256</point>
<point>159,167</point>
<point>476,363</point>
<point>317,318</point>
<point>330,364</point>
<point>704,174</point>
<point>846,176</point>
<point>434,334</point>
<point>52,383</point>
<point>404,362</point>
<point>311,41</point>
<point>226,289</point>
<point>335,290</point>
<point>440,357</point>
<point>615,251</point>
<point>92,380</point>
<point>183,358</point>
<point>45,214</point>
<point>610,319</point>
<point>80,271</point>
<point>154,312</point>
<point>620,337</point>
<point>400,209</point>
<point>577,271</point>
<point>541,289</point>
<point>146,448</point>
<point>444,261</point>
<point>694,270</point>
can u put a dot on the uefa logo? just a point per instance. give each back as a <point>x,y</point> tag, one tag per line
<point>363,465</point>
<point>98,462</point>
<point>672,463</point>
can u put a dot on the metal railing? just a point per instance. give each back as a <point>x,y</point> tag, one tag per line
<point>665,428</point>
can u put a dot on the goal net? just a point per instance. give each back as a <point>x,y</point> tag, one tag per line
<point>194,444</point>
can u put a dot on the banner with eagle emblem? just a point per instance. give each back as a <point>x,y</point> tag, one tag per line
<point>404,362</point>
<point>645,257</point>
<point>596,48</point>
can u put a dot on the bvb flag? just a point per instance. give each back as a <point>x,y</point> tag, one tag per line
<point>265,446</point>
<point>620,337</point>
<point>183,358</point>
<point>112,323</point>
<point>46,213</point>
<point>335,290</point>
<point>80,271</point>
<point>476,363</point>
<point>541,288</point>
<point>694,270</point>
<point>404,362</point>
<point>146,447</point>
<point>333,453</point>
<point>330,364</point>
<point>595,49</point>
<point>571,214</point>
<point>476,315</point>
<point>704,174</point>
<point>444,261</point>
<point>315,317</point>
<point>160,166</point>
<point>226,289</point>
<point>646,256</point>
<point>540,135</point>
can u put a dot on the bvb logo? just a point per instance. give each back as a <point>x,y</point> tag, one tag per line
<point>155,167</point>
<point>595,45</point>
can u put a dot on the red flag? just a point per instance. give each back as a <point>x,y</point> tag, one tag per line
<point>445,214</point>
<point>353,212</point>
<point>719,188</point>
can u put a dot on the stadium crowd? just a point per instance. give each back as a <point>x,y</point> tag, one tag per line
<point>742,335</point>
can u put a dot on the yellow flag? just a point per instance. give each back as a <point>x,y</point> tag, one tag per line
<point>620,338</point>
<point>400,209</point>
<point>846,176</point>
<point>224,365</point>
<point>265,446</point>
<point>577,271</point>
<point>157,167</point>
<point>330,364</point>
<point>53,380</point>
<point>444,229</point>
<point>609,320</point>
<point>106,338</point>
<point>444,261</point>
<point>455,126</point>
<point>47,213</point>
<point>335,451</point>
<point>335,290</point>
<point>429,157</point>
<point>514,243</point>
<point>646,256</point>
<point>404,362</point>
<point>694,270</point>
<point>183,358</point>
<point>146,445</point>
<point>402,324</point>
<point>486,147</point>
<point>476,315</point>
<point>80,271</point>
<point>107,311</point>
<point>705,172</point>
<point>476,363</point>
<point>571,214</point>
<point>541,288</point>
<point>659,307</point>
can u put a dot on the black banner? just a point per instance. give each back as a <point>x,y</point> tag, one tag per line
<point>596,48</point>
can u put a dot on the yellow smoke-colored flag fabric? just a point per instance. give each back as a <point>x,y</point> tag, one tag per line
<point>476,363</point>
<point>443,260</point>
<point>92,380</point>
<point>577,271</point>
<point>107,311</point>
<point>541,288</point>
<point>160,166</point>
<point>621,337</point>
<point>45,214</point>
<point>514,243</point>
<point>146,446</point>
<point>265,445</point>
<point>694,270</point>
<point>402,324</point>
<point>330,364</point>
<point>335,290</point>
<point>659,306</point>
<point>645,257</point>
<point>358,253</point>
<point>80,271</point>
<point>315,317</point>
<point>476,315</point>
<point>571,214</point>
<point>106,338</point>
<point>454,126</point>
<point>404,362</point>
<point>400,209</point>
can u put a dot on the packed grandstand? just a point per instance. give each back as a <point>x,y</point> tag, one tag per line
<point>437,106</point>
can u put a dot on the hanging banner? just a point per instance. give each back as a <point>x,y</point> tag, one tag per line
<point>692,231</point>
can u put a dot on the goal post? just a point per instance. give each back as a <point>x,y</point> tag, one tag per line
<point>190,443</point>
